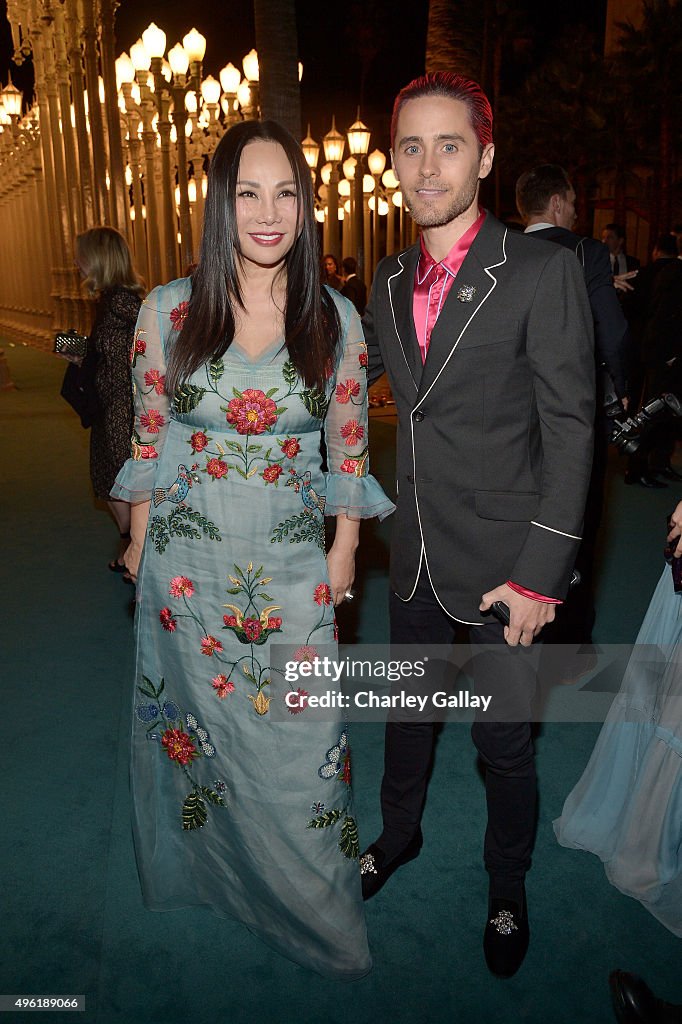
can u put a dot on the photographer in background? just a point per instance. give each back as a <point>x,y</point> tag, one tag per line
<point>658,331</point>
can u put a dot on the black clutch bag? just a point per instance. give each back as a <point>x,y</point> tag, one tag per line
<point>70,344</point>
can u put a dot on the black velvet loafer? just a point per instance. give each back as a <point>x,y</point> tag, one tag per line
<point>506,936</point>
<point>375,870</point>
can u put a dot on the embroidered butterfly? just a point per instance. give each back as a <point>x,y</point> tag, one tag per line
<point>207,748</point>
<point>336,759</point>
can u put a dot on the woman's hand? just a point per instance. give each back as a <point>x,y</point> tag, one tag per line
<point>341,557</point>
<point>676,530</point>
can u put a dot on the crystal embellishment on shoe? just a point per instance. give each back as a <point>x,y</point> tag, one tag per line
<point>504,922</point>
<point>367,864</point>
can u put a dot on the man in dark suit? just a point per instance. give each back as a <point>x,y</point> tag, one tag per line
<point>546,200</point>
<point>354,289</point>
<point>486,337</point>
<point>613,237</point>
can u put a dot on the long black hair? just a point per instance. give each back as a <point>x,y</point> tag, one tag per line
<point>311,321</point>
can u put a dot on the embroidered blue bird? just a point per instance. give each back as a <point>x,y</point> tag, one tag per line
<point>177,492</point>
<point>309,496</point>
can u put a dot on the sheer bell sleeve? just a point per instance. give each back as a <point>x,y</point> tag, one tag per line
<point>350,489</point>
<point>135,481</point>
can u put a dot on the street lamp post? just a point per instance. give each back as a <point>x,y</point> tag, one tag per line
<point>333,143</point>
<point>358,144</point>
<point>376,161</point>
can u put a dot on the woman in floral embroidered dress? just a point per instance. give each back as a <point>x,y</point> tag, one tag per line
<point>240,802</point>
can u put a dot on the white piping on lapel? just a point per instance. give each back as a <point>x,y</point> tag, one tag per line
<point>390,299</point>
<point>478,308</point>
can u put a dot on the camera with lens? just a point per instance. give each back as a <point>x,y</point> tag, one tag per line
<point>627,432</point>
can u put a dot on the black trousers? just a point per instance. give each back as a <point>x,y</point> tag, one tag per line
<point>504,747</point>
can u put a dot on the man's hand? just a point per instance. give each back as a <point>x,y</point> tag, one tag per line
<point>620,281</point>
<point>526,617</point>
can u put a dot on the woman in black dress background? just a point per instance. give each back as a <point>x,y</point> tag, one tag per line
<point>104,260</point>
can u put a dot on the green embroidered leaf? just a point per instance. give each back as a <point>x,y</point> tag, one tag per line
<point>240,471</point>
<point>233,446</point>
<point>237,394</point>
<point>213,797</point>
<point>187,398</point>
<point>303,527</point>
<point>254,447</point>
<point>216,369</point>
<point>194,813</point>
<point>279,410</point>
<point>235,590</point>
<point>147,691</point>
<point>266,597</point>
<point>258,573</point>
<point>315,401</point>
<point>289,373</point>
<point>325,820</point>
<point>349,843</point>
<point>271,392</point>
<point>158,533</point>
<point>238,571</point>
<point>161,688</point>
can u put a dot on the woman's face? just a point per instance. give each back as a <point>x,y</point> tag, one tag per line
<point>330,266</point>
<point>268,223</point>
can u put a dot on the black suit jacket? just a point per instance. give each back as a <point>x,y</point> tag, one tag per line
<point>610,325</point>
<point>356,290</point>
<point>495,430</point>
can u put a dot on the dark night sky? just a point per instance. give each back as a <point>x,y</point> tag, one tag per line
<point>328,47</point>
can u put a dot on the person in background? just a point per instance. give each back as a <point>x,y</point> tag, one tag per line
<point>354,289</point>
<point>104,260</point>
<point>330,272</point>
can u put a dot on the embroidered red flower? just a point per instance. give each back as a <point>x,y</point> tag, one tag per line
<point>153,379</point>
<point>152,420</point>
<point>274,622</point>
<point>179,315</point>
<point>297,706</point>
<point>290,447</point>
<point>306,653</point>
<point>322,594</point>
<point>209,644</point>
<point>216,468</point>
<point>252,412</point>
<point>252,628</point>
<point>222,686</point>
<point>353,432</point>
<point>363,359</point>
<point>271,474</point>
<point>179,746</point>
<point>230,620</point>
<point>167,620</point>
<point>349,389</point>
<point>181,586</point>
<point>148,451</point>
<point>140,345</point>
<point>345,771</point>
<point>349,465</point>
<point>198,441</point>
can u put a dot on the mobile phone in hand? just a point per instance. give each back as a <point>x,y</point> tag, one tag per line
<point>501,610</point>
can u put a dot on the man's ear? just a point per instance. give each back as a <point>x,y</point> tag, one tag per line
<point>486,162</point>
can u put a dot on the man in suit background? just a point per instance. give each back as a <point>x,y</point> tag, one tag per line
<point>486,338</point>
<point>354,289</point>
<point>546,200</point>
<point>613,237</point>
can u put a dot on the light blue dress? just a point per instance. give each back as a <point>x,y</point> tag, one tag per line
<point>239,804</point>
<point>627,807</point>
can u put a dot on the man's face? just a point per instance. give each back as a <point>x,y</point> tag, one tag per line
<point>565,209</point>
<point>436,157</point>
<point>611,239</point>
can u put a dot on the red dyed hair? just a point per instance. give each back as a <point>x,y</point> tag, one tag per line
<point>454,87</point>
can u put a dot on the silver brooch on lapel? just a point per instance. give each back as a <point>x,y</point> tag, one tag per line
<point>466,293</point>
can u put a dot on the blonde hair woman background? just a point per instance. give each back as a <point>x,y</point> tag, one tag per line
<point>104,260</point>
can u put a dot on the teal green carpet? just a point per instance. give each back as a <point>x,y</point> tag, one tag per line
<point>72,916</point>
